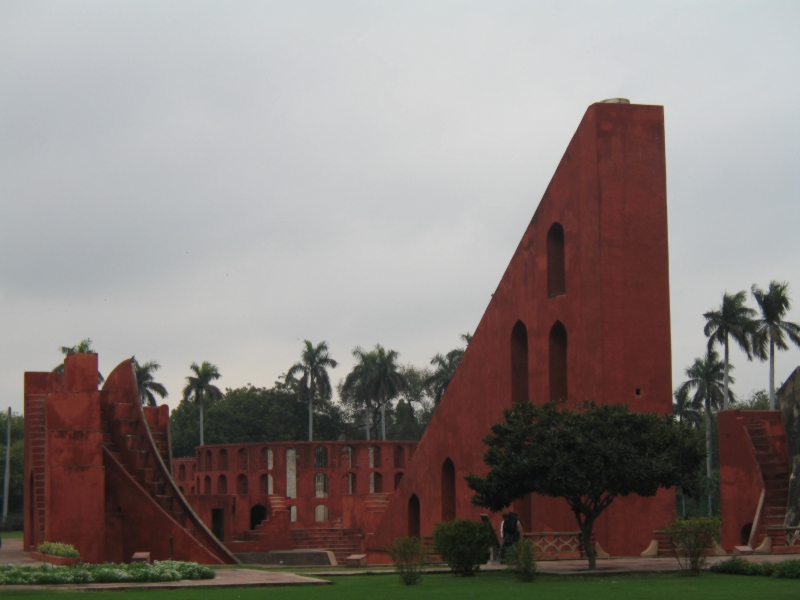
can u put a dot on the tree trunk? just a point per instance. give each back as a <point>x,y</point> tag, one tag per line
<point>200,403</point>
<point>683,502</point>
<point>725,401</point>
<point>311,410</point>
<point>771,373</point>
<point>586,532</point>
<point>383,420</point>
<point>708,458</point>
<point>367,420</point>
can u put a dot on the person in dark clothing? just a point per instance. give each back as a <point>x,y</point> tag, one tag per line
<point>509,532</point>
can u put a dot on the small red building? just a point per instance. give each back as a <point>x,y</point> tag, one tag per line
<point>261,497</point>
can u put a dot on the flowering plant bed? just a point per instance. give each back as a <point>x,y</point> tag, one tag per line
<point>167,570</point>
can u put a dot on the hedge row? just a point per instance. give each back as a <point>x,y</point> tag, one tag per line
<point>736,565</point>
<point>168,570</point>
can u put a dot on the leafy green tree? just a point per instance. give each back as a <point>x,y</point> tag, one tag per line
<point>445,368</point>
<point>706,377</point>
<point>82,347</point>
<point>733,319</point>
<point>199,385</point>
<point>589,456</point>
<point>253,414</point>
<point>313,378</point>
<point>757,400</point>
<point>771,331</point>
<point>148,387</point>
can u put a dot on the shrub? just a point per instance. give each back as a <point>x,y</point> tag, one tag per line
<point>166,570</point>
<point>787,569</point>
<point>409,556</point>
<point>464,545</point>
<point>58,549</point>
<point>691,540</point>
<point>522,558</point>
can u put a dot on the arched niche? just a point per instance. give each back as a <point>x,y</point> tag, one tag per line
<point>448,490</point>
<point>558,362</point>
<point>519,363</point>
<point>413,516</point>
<point>556,270</point>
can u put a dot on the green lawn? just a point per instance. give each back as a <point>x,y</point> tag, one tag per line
<point>494,586</point>
<point>11,535</point>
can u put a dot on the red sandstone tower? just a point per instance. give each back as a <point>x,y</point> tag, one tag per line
<point>582,312</point>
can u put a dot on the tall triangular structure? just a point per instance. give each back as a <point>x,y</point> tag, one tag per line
<point>582,312</point>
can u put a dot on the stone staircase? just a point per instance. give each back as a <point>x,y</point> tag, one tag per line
<point>136,439</point>
<point>775,474</point>
<point>253,540</point>
<point>35,424</point>
<point>342,541</point>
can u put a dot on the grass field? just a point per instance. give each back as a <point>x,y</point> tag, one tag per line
<point>494,586</point>
<point>11,535</point>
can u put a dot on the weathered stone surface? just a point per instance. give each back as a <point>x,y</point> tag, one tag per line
<point>789,402</point>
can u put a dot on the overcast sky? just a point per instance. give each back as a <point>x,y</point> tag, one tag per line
<point>189,181</point>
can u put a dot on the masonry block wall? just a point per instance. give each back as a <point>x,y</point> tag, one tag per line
<point>238,490</point>
<point>581,313</point>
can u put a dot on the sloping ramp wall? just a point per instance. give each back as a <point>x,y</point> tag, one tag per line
<point>581,312</point>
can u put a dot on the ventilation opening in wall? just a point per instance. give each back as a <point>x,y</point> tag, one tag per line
<point>556,276</point>
<point>558,362</point>
<point>519,363</point>
<point>638,391</point>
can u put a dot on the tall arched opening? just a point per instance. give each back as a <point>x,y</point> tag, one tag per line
<point>558,362</point>
<point>556,275</point>
<point>413,516</point>
<point>448,490</point>
<point>519,363</point>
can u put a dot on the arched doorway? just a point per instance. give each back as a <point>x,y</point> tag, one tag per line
<point>257,514</point>
<point>448,490</point>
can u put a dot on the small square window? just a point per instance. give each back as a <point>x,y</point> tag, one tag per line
<point>638,391</point>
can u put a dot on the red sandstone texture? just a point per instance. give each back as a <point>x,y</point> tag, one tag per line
<point>97,470</point>
<point>581,313</point>
<point>261,497</point>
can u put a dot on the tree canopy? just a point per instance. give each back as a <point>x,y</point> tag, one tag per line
<point>589,456</point>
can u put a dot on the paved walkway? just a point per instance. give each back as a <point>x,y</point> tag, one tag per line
<point>12,553</point>
<point>605,566</point>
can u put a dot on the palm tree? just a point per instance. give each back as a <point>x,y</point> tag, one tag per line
<point>771,330</point>
<point>148,386</point>
<point>83,347</point>
<point>356,384</point>
<point>706,376</point>
<point>313,370</point>
<point>377,378</point>
<point>685,408</point>
<point>445,369</point>
<point>731,320</point>
<point>199,386</point>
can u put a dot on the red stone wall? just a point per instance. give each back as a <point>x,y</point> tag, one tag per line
<point>609,196</point>
<point>233,461</point>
